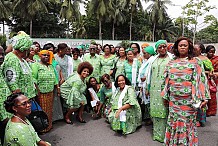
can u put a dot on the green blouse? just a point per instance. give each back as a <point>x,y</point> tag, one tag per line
<point>76,64</point>
<point>18,75</point>
<point>44,77</point>
<point>107,64</point>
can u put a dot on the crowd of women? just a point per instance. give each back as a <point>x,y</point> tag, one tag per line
<point>169,86</point>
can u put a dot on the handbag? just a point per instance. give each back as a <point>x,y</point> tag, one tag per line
<point>38,118</point>
<point>212,85</point>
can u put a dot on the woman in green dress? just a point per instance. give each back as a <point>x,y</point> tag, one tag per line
<point>125,112</point>
<point>107,60</point>
<point>156,69</point>
<point>76,60</point>
<point>120,62</point>
<point>19,131</point>
<point>73,90</point>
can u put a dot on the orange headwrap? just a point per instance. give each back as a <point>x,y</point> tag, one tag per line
<point>144,45</point>
<point>50,53</point>
<point>169,46</point>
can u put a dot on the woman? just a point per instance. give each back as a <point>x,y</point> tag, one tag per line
<point>208,69</point>
<point>37,49</point>
<point>19,130</point>
<point>64,61</point>
<point>212,104</point>
<point>131,67</point>
<point>30,59</point>
<point>106,93</point>
<point>154,77</point>
<point>182,89</point>
<point>44,75</point>
<point>16,70</point>
<point>107,60</point>
<point>94,95</point>
<point>136,51</point>
<point>73,90</point>
<point>76,60</point>
<point>125,112</point>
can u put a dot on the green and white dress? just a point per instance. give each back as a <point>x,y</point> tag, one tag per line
<point>120,67</point>
<point>133,114</point>
<point>73,91</point>
<point>107,64</point>
<point>18,75</point>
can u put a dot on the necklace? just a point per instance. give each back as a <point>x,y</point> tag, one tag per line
<point>21,120</point>
<point>158,65</point>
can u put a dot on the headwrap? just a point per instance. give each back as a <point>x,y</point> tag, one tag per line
<point>150,50</point>
<point>21,41</point>
<point>50,53</point>
<point>144,45</point>
<point>129,49</point>
<point>169,47</point>
<point>79,47</point>
<point>158,43</point>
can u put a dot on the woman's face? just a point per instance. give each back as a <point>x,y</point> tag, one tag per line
<point>197,50</point>
<point>93,81</point>
<point>51,49</point>
<point>85,73</point>
<point>106,82</point>
<point>45,57</point>
<point>121,82</point>
<point>37,49</point>
<point>130,55</point>
<point>107,50</point>
<point>122,52</point>
<point>63,51</point>
<point>75,55</point>
<point>32,52</point>
<point>162,49</point>
<point>183,47</point>
<point>145,54</point>
<point>135,49</point>
<point>211,53</point>
<point>22,106</point>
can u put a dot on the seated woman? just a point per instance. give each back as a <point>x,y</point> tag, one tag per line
<point>125,113</point>
<point>93,95</point>
<point>19,131</point>
<point>73,90</point>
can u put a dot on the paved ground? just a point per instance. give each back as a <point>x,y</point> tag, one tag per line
<point>98,133</point>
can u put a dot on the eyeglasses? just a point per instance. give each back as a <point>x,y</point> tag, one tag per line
<point>25,103</point>
<point>92,48</point>
<point>46,55</point>
<point>160,47</point>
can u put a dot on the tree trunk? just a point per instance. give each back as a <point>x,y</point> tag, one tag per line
<point>3,27</point>
<point>31,27</point>
<point>154,32</point>
<point>113,30</point>
<point>100,33</point>
<point>130,28</point>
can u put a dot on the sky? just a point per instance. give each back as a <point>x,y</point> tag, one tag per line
<point>176,11</point>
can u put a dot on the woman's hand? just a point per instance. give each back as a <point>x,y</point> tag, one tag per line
<point>143,79</point>
<point>43,143</point>
<point>118,113</point>
<point>203,104</point>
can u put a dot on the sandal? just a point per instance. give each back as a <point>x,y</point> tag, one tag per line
<point>80,120</point>
<point>68,121</point>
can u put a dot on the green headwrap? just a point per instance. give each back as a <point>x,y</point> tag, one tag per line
<point>22,41</point>
<point>158,43</point>
<point>79,47</point>
<point>150,50</point>
<point>129,49</point>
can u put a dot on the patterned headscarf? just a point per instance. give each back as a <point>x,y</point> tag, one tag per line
<point>129,49</point>
<point>169,47</point>
<point>158,43</point>
<point>50,53</point>
<point>21,41</point>
<point>150,50</point>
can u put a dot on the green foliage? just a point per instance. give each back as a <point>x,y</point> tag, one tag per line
<point>125,43</point>
<point>3,40</point>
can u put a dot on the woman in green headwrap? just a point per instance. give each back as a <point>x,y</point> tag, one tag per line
<point>16,70</point>
<point>154,79</point>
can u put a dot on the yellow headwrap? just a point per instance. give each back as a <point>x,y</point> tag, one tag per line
<point>50,53</point>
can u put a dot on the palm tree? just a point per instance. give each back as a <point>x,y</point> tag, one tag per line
<point>157,12</point>
<point>116,15</point>
<point>99,8</point>
<point>27,9</point>
<point>5,11</point>
<point>80,28</point>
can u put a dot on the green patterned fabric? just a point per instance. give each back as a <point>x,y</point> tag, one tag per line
<point>36,58</point>
<point>95,62</point>
<point>105,95</point>
<point>128,70</point>
<point>208,65</point>
<point>133,114</point>
<point>19,134</point>
<point>107,64</point>
<point>159,128</point>
<point>120,67</point>
<point>22,42</point>
<point>76,64</point>
<point>18,75</point>
<point>73,91</point>
<point>44,77</point>
<point>4,93</point>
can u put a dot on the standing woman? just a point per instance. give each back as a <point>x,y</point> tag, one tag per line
<point>136,51</point>
<point>76,60</point>
<point>131,66</point>
<point>107,60</point>
<point>73,92</point>
<point>182,89</point>
<point>212,104</point>
<point>44,75</point>
<point>158,111</point>
<point>207,67</point>
<point>120,62</point>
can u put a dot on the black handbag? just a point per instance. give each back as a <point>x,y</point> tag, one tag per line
<point>38,118</point>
